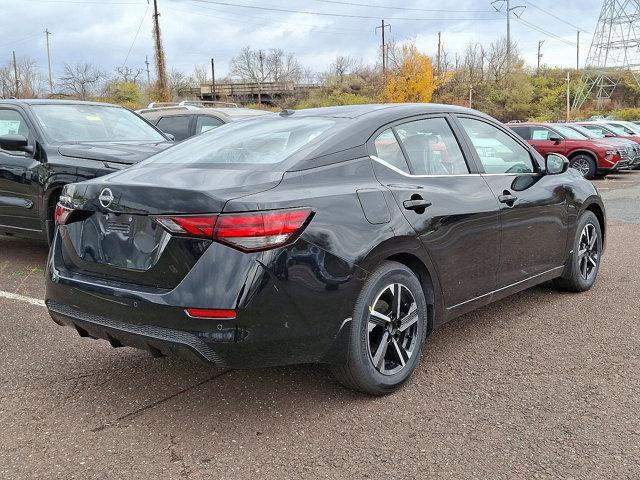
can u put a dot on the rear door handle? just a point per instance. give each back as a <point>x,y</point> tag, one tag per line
<point>507,198</point>
<point>418,204</point>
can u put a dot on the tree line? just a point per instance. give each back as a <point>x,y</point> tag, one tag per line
<point>488,78</point>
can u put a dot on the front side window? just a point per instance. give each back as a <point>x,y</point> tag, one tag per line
<point>432,147</point>
<point>524,132</point>
<point>388,149</point>
<point>569,132</point>
<point>178,126</point>
<point>94,123</point>
<point>12,123</point>
<point>257,142</point>
<point>598,130</point>
<point>498,152</point>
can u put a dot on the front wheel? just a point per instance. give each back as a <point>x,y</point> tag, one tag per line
<point>388,329</point>
<point>584,263</point>
<point>585,165</point>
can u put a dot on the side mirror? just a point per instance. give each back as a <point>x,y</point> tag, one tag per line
<point>15,143</point>
<point>555,139</point>
<point>608,134</point>
<point>556,164</point>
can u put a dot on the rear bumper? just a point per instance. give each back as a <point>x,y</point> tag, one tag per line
<point>291,306</point>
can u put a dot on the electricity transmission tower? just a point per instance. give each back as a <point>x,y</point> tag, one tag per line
<point>615,47</point>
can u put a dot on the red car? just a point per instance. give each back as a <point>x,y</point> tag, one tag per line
<point>590,157</point>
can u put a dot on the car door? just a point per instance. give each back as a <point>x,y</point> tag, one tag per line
<point>541,141</point>
<point>533,206</point>
<point>18,182</point>
<point>447,202</point>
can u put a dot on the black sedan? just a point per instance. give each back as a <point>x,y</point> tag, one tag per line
<point>341,235</point>
<point>45,144</point>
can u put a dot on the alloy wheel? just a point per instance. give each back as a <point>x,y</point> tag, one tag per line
<point>588,254</point>
<point>392,329</point>
<point>582,165</point>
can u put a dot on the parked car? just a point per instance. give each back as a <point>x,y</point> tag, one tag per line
<point>336,235</point>
<point>632,148</point>
<point>609,130</point>
<point>45,144</point>
<point>589,157</point>
<point>186,119</point>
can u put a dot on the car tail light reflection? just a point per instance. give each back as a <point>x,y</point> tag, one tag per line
<point>251,231</point>
<point>61,214</point>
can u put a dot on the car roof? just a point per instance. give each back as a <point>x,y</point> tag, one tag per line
<point>52,101</point>
<point>392,109</point>
<point>225,113</point>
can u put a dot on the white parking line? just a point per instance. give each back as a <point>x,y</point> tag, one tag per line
<point>22,298</point>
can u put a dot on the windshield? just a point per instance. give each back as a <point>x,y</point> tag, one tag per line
<point>569,132</point>
<point>586,132</point>
<point>260,141</point>
<point>94,123</point>
<point>629,128</point>
<point>617,129</point>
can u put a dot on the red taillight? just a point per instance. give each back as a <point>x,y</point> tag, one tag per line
<point>260,230</point>
<point>62,214</point>
<point>211,313</point>
<point>194,226</point>
<point>251,231</point>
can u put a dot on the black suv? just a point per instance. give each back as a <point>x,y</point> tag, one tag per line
<point>45,144</point>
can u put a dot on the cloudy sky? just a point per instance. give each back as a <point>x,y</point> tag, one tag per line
<point>111,33</point>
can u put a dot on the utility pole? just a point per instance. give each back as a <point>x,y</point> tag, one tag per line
<point>470,94</point>
<point>160,62</point>
<point>439,52</point>
<point>15,73</point>
<point>47,33</point>
<point>517,11</point>
<point>568,95</point>
<point>578,50</point>
<point>213,80</point>
<point>539,56</point>
<point>146,63</point>
<point>384,46</point>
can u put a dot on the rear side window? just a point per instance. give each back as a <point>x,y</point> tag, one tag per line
<point>177,126</point>
<point>498,152</point>
<point>432,148</point>
<point>524,132</point>
<point>261,141</point>
<point>388,149</point>
<point>540,133</point>
<point>205,123</point>
<point>12,123</point>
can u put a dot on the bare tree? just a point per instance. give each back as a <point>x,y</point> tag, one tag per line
<point>200,75</point>
<point>128,74</point>
<point>497,62</point>
<point>31,82</point>
<point>81,79</point>
<point>284,67</point>
<point>345,65</point>
<point>177,82</point>
<point>251,65</point>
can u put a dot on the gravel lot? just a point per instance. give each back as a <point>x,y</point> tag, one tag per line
<point>540,385</point>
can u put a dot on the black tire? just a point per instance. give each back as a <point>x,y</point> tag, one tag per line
<point>359,372</point>
<point>585,164</point>
<point>574,279</point>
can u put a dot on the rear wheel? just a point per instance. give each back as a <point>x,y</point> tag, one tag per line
<point>585,260</point>
<point>585,164</point>
<point>387,331</point>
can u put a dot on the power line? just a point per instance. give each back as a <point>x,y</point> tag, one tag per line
<point>88,2</point>
<point>330,14</point>
<point>355,4</point>
<point>22,40</point>
<point>551,14</point>
<point>136,36</point>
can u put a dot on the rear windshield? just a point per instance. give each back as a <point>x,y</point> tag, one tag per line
<point>94,123</point>
<point>260,141</point>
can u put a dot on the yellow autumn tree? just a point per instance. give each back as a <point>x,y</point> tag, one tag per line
<point>413,79</point>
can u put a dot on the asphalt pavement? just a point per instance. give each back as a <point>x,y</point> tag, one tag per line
<point>543,384</point>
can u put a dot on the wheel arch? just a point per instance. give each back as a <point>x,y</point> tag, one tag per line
<point>573,154</point>
<point>598,211</point>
